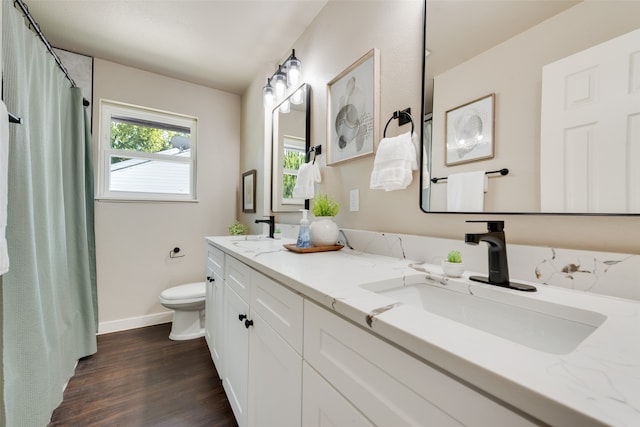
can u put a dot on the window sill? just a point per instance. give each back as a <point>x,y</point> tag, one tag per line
<point>120,200</point>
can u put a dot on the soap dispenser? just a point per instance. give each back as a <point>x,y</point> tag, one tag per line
<point>304,237</point>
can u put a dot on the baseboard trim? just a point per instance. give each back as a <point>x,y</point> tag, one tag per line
<point>134,322</point>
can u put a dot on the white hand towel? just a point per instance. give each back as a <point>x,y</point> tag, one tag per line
<point>308,175</point>
<point>465,191</point>
<point>426,178</point>
<point>395,160</point>
<point>416,149</point>
<point>316,172</point>
<point>4,172</point>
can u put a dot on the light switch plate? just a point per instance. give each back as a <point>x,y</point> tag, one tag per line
<point>354,200</point>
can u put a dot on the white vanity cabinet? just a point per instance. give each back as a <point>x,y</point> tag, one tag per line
<point>288,361</point>
<point>391,387</point>
<point>214,305</point>
<point>262,348</point>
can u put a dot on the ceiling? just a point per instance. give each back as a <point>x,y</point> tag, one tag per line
<point>225,44</point>
<point>222,44</point>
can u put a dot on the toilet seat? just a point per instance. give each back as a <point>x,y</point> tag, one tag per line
<point>190,292</point>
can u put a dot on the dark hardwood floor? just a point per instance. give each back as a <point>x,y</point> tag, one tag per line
<point>142,378</point>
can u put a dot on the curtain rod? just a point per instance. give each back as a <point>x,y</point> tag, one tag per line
<point>33,24</point>
<point>36,28</point>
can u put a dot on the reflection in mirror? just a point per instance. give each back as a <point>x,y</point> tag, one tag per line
<point>558,69</point>
<point>289,145</point>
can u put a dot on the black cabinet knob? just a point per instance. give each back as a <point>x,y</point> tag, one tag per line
<point>242,317</point>
<point>248,323</point>
<point>211,279</point>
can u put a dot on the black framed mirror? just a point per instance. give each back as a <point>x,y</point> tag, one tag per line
<point>290,143</point>
<point>511,50</point>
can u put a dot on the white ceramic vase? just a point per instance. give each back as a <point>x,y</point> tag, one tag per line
<point>452,269</point>
<point>324,232</point>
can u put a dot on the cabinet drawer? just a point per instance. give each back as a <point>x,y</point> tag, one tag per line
<point>389,386</point>
<point>279,307</point>
<point>215,260</point>
<point>238,276</point>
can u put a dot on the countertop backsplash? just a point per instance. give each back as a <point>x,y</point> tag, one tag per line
<point>605,273</point>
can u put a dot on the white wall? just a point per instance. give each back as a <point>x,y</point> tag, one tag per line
<point>133,239</point>
<point>342,33</point>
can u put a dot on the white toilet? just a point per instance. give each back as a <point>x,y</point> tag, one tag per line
<point>187,302</point>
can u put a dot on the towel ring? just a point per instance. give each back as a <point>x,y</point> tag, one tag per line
<point>316,149</point>
<point>396,115</point>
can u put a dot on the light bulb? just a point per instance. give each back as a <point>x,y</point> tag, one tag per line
<point>294,76</point>
<point>268,96</point>
<point>297,96</point>
<point>294,69</point>
<point>285,107</point>
<point>280,84</point>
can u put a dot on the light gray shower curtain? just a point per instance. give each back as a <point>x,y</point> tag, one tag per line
<point>49,313</point>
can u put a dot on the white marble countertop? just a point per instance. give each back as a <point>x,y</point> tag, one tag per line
<point>598,383</point>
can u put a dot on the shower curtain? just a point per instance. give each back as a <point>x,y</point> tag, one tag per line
<point>49,312</point>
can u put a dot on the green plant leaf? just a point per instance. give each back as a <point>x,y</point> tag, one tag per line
<point>455,257</point>
<point>323,205</point>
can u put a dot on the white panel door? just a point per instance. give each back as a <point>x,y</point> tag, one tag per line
<point>275,378</point>
<point>216,312</point>
<point>236,354</point>
<point>208,311</point>
<point>590,129</point>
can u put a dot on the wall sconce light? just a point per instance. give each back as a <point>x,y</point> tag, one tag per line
<point>293,69</point>
<point>268,96</point>
<point>287,75</point>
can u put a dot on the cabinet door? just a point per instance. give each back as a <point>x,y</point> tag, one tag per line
<point>323,406</point>
<point>209,305</point>
<point>217,323</point>
<point>275,378</point>
<point>236,354</point>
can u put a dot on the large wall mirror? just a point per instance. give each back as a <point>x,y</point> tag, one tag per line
<point>564,79</point>
<point>289,146</point>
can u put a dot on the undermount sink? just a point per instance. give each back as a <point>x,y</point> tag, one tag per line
<point>540,325</point>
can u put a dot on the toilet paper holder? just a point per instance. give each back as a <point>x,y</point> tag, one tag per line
<point>175,253</point>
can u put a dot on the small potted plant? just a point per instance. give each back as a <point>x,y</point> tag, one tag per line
<point>277,234</point>
<point>324,232</point>
<point>237,229</point>
<point>453,265</point>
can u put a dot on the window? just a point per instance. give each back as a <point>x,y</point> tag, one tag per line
<point>146,154</point>
<point>293,157</point>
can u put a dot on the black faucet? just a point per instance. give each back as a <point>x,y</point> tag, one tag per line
<point>272,224</point>
<point>498,266</point>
